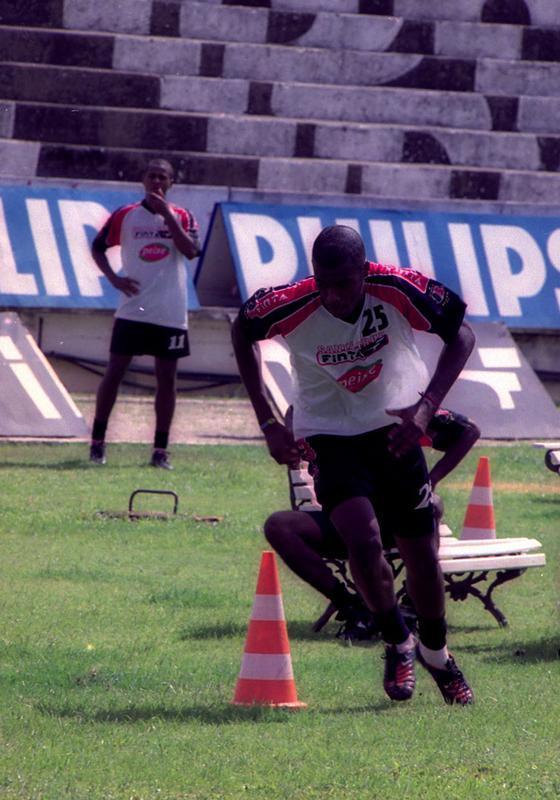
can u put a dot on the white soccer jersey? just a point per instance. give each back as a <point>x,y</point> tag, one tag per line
<point>347,374</point>
<point>149,255</point>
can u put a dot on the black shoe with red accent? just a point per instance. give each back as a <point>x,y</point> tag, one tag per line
<point>399,679</point>
<point>450,681</point>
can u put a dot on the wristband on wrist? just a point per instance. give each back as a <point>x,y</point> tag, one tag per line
<point>430,399</point>
<point>267,423</point>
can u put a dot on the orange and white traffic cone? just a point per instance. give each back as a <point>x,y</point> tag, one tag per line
<point>479,520</point>
<point>266,676</point>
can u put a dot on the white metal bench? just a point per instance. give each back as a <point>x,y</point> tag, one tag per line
<point>474,567</point>
<point>552,455</point>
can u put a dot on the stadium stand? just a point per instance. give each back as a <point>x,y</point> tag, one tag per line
<point>375,98</point>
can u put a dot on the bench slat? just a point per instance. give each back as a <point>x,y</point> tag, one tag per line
<point>487,548</point>
<point>492,562</point>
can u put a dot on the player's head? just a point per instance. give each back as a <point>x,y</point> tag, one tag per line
<point>339,265</point>
<point>158,176</point>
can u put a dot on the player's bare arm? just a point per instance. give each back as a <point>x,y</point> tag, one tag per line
<point>455,454</point>
<point>415,419</point>
<point>127,286</point>
<point>279,439</point>
<point>183,241</point>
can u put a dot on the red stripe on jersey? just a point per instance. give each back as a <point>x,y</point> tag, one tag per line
<point>412,276</point>
<point>114,224</point>
<point>290,323</point>
<point>188,222</point>
<point>270,300</point>
<point>402,303</point>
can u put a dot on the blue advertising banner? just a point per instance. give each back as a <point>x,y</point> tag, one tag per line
<point>45,237</point>
<point>506,268</point>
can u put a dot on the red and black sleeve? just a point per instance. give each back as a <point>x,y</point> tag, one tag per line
<point>279,310</point>
<point>427,304</point>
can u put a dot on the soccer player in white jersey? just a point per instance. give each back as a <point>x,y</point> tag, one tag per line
<point>363,401</point>
<point>151,318</point>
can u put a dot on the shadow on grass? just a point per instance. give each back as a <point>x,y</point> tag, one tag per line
<point>207,715</point>
<point>549,500</point>
<point>75,463</point>
<point>456,629</point>
<point>297,631</point>
<point>217,714</point>
<point>519,652</point>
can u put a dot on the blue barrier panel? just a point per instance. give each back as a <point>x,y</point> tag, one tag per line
<point>506,268</point>
<point>45,236</point>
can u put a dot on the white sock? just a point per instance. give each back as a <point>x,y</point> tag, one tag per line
<point>408,644</point>
<point>435,658</point>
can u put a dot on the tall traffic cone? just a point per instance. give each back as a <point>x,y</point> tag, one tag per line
<point>266,676</point>
<point>479,520</point>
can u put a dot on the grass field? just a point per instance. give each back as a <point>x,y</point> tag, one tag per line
<point>121,643</point>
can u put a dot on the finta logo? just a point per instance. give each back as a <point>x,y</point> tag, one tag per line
<point>266,300</point>
<point>327,355</point>
<point>359,377</point>
<point>154,252</point>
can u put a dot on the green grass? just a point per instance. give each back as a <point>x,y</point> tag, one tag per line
<point>121,642</point>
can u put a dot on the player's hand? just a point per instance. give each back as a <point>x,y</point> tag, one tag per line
<point>414,421</point>
<point>157,202</point>
<point>281,445</point>
<point>127,286</point>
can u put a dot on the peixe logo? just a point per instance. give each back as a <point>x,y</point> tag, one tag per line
<point>358,378</point>
<point>154,252</point>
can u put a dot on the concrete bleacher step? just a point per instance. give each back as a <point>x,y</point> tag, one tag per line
<point>294,175</point>
<point>468,41</point>
<point>403,27</point>
<point>306,65</point>
<point>107,164</point>
<point>513,12</point>
<point>111,127</point>
<point>18,159</point>
<point>317,25</point>
<point>129,16</point>
<point>250,135</point>
<point>134,54</point>
<point>78,85</point>
<point>56,47</point>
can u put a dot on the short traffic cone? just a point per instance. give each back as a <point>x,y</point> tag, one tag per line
<point>479,520</point>
<point>266,676</point>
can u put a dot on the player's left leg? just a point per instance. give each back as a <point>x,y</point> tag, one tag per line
<point>105,400</point>
<point>165,399</point>
<point>425,584</point>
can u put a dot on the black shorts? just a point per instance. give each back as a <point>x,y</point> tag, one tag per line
<point>399,489</point>
<point>144,339</point>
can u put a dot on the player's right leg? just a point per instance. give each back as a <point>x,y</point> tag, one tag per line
<point>105,400</point>
<point>345,471</point>
<point>355,521</point>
